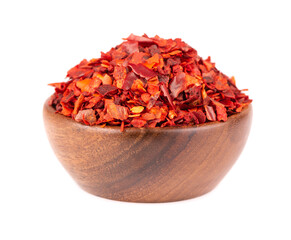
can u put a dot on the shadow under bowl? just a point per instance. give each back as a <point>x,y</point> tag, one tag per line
<point>148,164</point>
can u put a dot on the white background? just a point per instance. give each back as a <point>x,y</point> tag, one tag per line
<point>41,40</point>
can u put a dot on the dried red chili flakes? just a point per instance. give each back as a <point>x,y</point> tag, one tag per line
<point>145,97</point>
<point>142,71</point>
<point>93,101</point>
<point>106,89</point>
<point>210,114</point>
<point>59,87</point>
<point>78,104</point>
<point>200,116</point>
<point>86,116</point>
<point>119,74</point>
<point>116,111</point>
<point>138,122</point>
<point>178,84</point>
<point>80,70</point>
<point>148,82</point>
<point>128,81</point>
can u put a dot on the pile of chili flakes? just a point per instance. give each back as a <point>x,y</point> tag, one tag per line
<point>148,82</point>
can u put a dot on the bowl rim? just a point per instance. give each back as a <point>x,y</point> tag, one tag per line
<point>245,111</point>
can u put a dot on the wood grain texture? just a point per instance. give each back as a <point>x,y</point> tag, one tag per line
<point>147,165</point>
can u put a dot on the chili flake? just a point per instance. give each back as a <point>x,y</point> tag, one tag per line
<point>148,82</point>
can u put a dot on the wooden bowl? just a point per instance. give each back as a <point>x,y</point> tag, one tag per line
<point>147,165</point>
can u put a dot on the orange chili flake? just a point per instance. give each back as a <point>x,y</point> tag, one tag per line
<point>153,61</point>
<point>148,82</point>
<point>84,85</point>
<point>65,110</point>
<point>153,88</point>
<point>145,97</point>
<point>78,104</point>
<point>172,114</point>
<point>138,86</point>
<point>106,80</point>
<point>117,111</point>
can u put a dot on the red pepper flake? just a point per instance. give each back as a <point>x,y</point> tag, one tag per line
<point>178,84</point>
<point>119,75</point>
<point>117,111</point>
<point>167,94</point>
<point>80,70</point>
<point>66,110</point>
<point>122,126</point>
<point>210,114</point>
<point>93,101</point>
<point>145,97</point>
<point>148,82</point>
<point>138,122</point>
<point>78,104</point>
<point>221,111</point>
<point>200,116</point>
<point>142,71</point>
<point>153,99</point>
<point>59,87</point>
<point>130,47</point>
<point>143,39</point>
<point>106,89</point>
<point>128,81</point>
<point>87,116</point>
